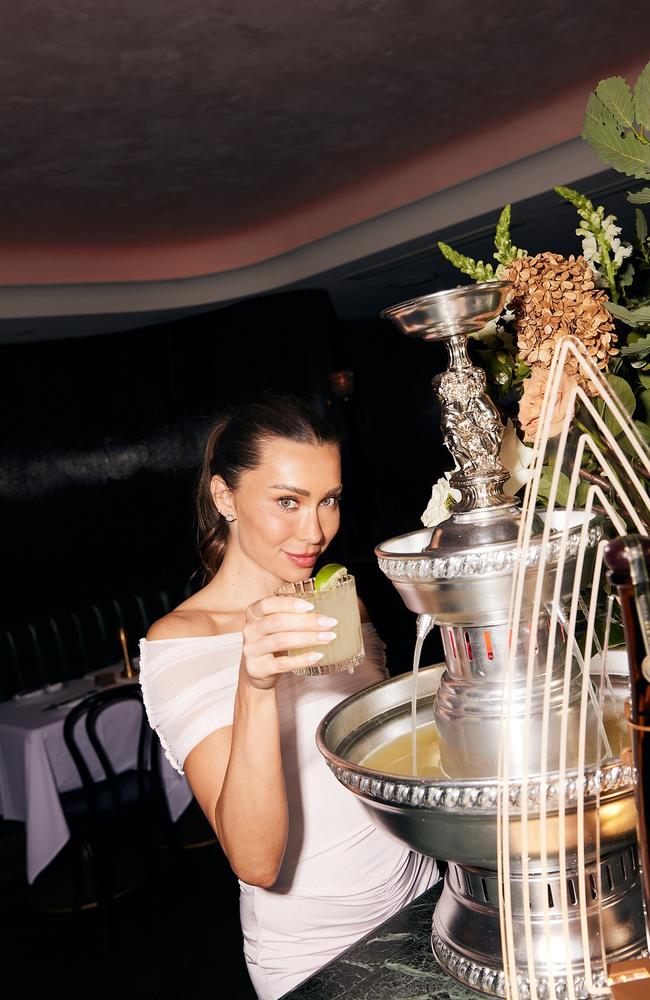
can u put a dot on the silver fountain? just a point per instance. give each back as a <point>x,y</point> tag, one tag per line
<point>459,576</point>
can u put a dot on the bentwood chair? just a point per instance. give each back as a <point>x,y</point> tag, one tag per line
<point>117,810</point>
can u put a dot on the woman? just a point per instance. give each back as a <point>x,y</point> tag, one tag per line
<point>217,679</point>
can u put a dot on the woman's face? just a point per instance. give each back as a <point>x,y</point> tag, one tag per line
<point>287,508</point>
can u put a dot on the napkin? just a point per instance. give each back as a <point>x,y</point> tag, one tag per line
<point>34,692</point>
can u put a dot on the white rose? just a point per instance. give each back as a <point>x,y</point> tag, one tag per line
<point>440,506</point>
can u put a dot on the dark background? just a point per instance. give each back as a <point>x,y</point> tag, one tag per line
<point>104,436</point>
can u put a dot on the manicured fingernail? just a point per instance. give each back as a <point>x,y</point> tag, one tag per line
<point>326,636</point>
<point>301,605</point>
<point>313,657</point>
<point>327,622</point>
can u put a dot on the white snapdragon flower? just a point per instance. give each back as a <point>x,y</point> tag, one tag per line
<point>589,248</point>
<point>594,226</point>
<point>610,231</point>
<point>440,506</point>
<point>620,252</point>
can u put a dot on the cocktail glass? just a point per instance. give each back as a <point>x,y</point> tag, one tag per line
<point>336,601</point>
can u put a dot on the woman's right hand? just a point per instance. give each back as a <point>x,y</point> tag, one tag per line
<point>274,627</point>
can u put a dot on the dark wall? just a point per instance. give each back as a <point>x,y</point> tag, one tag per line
<point>103,437</point>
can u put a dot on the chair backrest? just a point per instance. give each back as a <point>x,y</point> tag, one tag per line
<point>68,642</point>
<point>147,762</point>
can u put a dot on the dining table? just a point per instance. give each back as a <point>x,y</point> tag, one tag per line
<point>36,765</point>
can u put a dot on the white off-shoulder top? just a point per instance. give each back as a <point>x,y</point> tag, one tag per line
<point>340,876</point>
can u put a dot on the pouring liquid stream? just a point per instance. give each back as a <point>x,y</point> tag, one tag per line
<point>415,753</point>
<point>419,642</point>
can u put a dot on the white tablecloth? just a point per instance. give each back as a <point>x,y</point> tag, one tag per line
<point>35,765</point>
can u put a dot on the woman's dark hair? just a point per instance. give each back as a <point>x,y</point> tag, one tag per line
<point>234,446</point>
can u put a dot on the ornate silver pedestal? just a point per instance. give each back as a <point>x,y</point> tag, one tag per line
<point>459,576</point>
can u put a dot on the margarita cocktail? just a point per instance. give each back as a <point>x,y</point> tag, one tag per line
<point>334,595</point>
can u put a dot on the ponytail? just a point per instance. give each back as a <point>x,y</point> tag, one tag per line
<point>212,528</point>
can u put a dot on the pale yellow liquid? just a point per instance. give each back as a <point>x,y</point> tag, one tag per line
<point>396,755</point>
<point>416,753</point>
<point>346,650</point>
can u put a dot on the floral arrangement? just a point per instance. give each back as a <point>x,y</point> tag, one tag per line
<point>601,296</point>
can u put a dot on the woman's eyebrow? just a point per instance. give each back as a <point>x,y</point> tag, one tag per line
<point>303,493</point>
<point>290,489</point>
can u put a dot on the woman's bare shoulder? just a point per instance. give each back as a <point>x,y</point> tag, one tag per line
<point>183,623</point>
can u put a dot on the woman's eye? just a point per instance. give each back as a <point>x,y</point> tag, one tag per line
<point>331,501</point>
<point>287,503</point>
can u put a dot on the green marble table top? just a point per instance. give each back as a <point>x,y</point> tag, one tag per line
<point>393,962</point>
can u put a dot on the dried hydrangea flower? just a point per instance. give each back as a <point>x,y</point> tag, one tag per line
<point>552,296</point>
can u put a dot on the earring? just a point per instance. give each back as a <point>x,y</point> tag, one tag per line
<point>230,517</point>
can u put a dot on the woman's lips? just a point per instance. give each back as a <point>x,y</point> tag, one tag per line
<point>305,562</point>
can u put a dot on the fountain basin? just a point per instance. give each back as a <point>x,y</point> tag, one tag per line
<point>456,819</point>
<point>447,580</point>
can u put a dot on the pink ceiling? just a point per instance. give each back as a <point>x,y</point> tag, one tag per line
<point>170,138</point>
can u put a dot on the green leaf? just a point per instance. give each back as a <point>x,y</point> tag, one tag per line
<point>622,150</point>
<point>544,488</point>
<point>645,400</point>
<point>642,97</point>
<point>620,312</point>
<point>641,315</point>
<point>617,97</point>
<point>581,494</point>
<point>632,317</point>
<point>644,431</point>
<point>640,347</point>
<point>623,390</point>
<point>626,398</point>
<point>625,277</point>
<point>641,197</point>
<point>641,226</point>
<point>644,434</point>
<point>644,380</point>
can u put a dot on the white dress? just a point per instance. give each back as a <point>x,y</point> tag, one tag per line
<point>340,876</point>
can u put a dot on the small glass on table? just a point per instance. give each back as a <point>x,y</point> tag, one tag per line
<point>338,600</point>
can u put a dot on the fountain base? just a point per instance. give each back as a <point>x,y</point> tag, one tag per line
<point>466,935</point>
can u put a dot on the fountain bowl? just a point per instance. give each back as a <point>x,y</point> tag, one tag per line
<point>456,819</point>
<point>446,581</point>
<point>462,310</point>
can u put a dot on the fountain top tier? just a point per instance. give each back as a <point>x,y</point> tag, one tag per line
<point>471,425</point>
<point>461,572</point>
<point>450,313</point>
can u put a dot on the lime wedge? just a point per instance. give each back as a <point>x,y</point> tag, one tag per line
<point>328,576</point>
